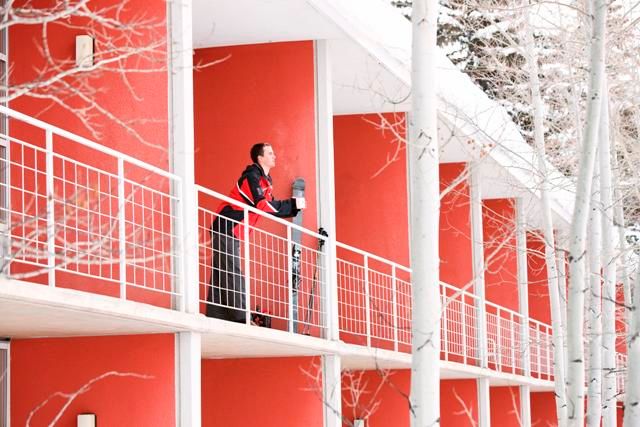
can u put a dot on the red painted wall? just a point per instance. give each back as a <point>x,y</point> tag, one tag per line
<point>382,400</point>
<point>273,392</point>
<point>505,406</point>
<point>501,275</point>
<point>371,211</point>
<point>259,93</point>
<point>539,305</point>
<point>150,100</point>
<point>543,409</point>
<point>456,262</point>
<point>141,100</point>
<point>41,367</point>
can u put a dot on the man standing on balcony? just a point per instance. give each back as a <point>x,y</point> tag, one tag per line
<point>226,295</point>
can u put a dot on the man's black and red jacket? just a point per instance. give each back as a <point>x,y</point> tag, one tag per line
<point>255,189</point>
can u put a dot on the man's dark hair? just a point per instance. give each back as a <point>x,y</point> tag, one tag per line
<point>258,150</point>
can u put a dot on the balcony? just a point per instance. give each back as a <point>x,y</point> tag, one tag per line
<point>80,216</point>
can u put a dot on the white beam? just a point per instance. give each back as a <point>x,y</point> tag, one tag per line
<point>332,390</point>
<point>484,402</point>
<point>523,305</point>
<point>325,178</point>
<point>525,406</point>
<point>477,251</point>
<point>182,151</point>
<point>188,399</point>
<point>523,282</point>
<point>477,254</point>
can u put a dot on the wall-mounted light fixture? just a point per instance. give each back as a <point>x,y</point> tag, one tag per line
<point>358,423</point>
<point>84,51</point>
<point>87,420</point>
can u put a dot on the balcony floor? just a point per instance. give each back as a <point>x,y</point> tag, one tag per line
<point>31,311</point>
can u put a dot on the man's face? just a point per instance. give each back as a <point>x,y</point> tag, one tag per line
<point>268,159</point>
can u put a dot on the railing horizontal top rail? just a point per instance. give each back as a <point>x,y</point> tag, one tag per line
<point>257,211</point>
<point>372,256</point>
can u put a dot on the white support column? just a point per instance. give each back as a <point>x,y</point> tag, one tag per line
<point>477,239</point>
<point>477,251</point>
<point>484,402</point>
<point>523,305</point>
<point>188,399</point>
<point>325,178</point>
<point>332,390</point>
<point>525,406</point>
<point>182,146</point>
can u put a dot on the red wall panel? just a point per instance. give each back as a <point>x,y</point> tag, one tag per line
<point>505,406</point>
<point>543,409</point>
<point>41,367</point>
<point>456,262</point>
<point>371,211</point>
<point>539,305</point>
<point>501,274</point>
<point>273,392</point>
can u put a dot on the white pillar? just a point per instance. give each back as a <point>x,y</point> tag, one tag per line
<point>477,251</point>
<point>523,304</point>
<point>332,390</point>
<point>325,178</point>
<point>182,146</point>
<point>188,398</point>
<point>484,402</point>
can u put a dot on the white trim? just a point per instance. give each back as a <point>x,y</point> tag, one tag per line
<point>477,255</point>
<point>189,379</point>
<point>525,406</point>
<point>484,402</point>
<point>326,181</point>
<point>523,280</point>
<point>332,390</point>
<point>182,143</point>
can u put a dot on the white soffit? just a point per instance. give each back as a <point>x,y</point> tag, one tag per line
<point>237,22</point>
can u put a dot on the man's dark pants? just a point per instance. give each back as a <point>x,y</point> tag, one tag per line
<point>227,292</point>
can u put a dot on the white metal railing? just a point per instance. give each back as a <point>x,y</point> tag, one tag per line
<point>621,374</point>
<point>459,327</point>
<point>73,210</point>
<point>505,344</point>
<point>540,350</point>
<point>260,268</point>
<point>374,300</point>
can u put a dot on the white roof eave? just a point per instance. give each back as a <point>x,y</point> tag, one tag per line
<point>386,35</point>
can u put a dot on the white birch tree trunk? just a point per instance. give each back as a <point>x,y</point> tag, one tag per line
<point>594,312</point>
<point>577,243</point>
<point>632,384</point>
<point>549,236</point>
<point>425,213</point>
<point>609,368</point>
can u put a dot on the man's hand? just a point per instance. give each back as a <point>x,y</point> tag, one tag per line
<point>300,202</point>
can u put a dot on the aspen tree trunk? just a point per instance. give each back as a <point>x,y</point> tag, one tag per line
<point>632,387</point>
<point>577,244</point>
<point>594,312</point>
<point>553,276</point>
<point>609,368</point>
<point>425,212</point>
